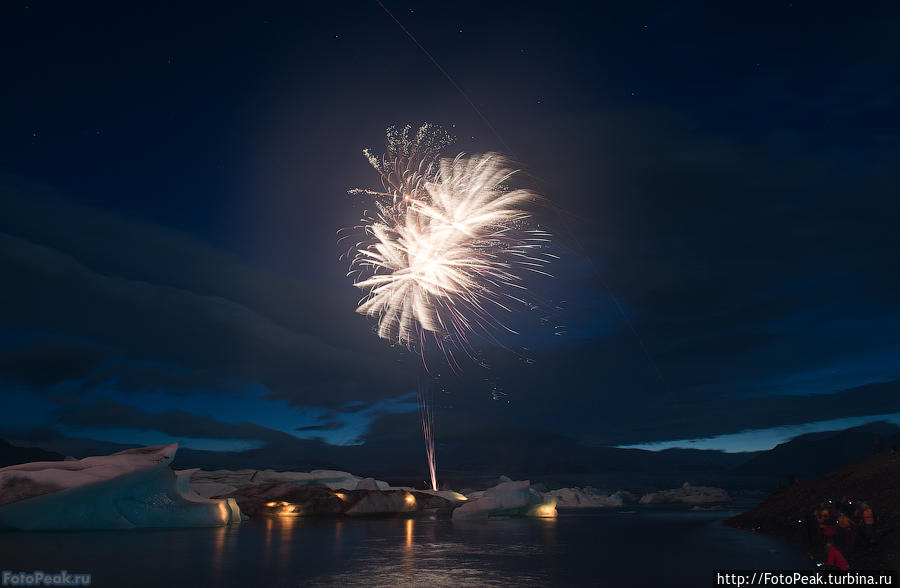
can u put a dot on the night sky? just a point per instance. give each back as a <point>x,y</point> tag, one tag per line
<point>172,175</point>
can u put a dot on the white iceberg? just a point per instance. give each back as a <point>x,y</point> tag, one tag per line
<point>130,489</point>
<point>687,494</point>
<point>586,498</point>
<point>207,481</point>
<point>506,498</point>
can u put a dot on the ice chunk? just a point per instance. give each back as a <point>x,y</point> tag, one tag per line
<point>451,496</point>
<point>286,499</point>
<point>588,498</point>
<point>336,480</point>
<point>687,494</point>
<point>134,488</point>
<point>367,484</point>
<point>384,502</point>
<point>28,480</point>
<point>506,498</point>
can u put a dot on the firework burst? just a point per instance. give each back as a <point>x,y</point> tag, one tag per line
<point>445,250</point>
<point>447,246</point>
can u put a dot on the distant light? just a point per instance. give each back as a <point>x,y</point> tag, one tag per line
<point>341,495</point>
<point>410,499</point>
<point>271,504</point>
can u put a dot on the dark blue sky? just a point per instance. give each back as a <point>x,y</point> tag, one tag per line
<point>172,177</point>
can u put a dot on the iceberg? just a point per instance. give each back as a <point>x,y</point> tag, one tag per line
<point>687,494</point>
<point>384,502</point>
<point>372,484</point>
<point>208,481</point>
<point>453,497</point>
<point>507,498</point>
<point>135,488</point>
<point>286,499</point>
<point>588,498</point>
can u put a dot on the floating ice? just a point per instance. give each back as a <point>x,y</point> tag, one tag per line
<point>588,498</point>
<point>384,502</point>
<point>687,494</point>
<point>203,481</point>
<point>129,489</point>
<point>506,498</point>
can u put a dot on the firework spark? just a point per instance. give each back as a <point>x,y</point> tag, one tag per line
<point>448,245</point>
<point>446,249</point>
<point>426,412</point>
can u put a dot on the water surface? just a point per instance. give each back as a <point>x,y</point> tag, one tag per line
<point>665,546</point>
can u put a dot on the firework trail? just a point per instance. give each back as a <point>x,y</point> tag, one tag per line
<point>426,411</point>
<point>446,250</point>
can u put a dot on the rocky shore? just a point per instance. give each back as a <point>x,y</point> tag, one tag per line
<point>875,480</point>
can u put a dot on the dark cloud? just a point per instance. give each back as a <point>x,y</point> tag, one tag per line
<point>556,395</point>
<point>44,363</point>
<point>329,426</point>
<point>105,413</point>
<point>177,334</point>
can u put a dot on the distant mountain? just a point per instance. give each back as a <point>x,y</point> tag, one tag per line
<point>816,454</point>
<point>538,455</point>
<point>13,455</point>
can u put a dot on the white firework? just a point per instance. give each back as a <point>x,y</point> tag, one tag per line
<point>448,246</point>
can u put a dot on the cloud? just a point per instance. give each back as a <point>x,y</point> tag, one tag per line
<point>329,426</point>
<point>145,308</point>
<point>738,263</point>
<point>44,363</point>
<point>108,413</point>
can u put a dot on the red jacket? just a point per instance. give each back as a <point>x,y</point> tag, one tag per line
<point>835,558</point>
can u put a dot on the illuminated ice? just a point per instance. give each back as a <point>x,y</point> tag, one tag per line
<point>506,498</point>
<point>384,502</point>
<point>130,489</point>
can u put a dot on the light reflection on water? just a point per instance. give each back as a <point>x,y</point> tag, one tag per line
<point>427,559</point>
<point>586,548</point>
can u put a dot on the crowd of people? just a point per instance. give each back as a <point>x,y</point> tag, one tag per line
<point>839,527</point>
